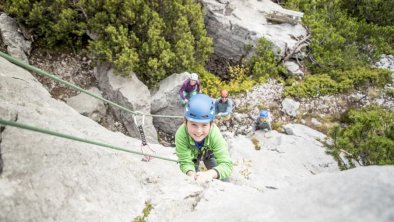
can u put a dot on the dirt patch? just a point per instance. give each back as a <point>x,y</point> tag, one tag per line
<point>166,139</point>
<point>219,66</point>
<point>74,68</point>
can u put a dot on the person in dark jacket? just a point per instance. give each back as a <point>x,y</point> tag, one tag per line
<point>223,106</point>
<point>263,122</point>
<point>190,87</point>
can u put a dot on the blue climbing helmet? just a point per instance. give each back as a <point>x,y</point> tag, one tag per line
<point>200,109</point>
<point>264,114</point>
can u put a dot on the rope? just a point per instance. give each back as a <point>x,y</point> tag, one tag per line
<point>51,76</point>
<point>46,131</point>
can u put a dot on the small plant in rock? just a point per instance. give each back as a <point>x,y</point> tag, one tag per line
<point>278,126</point>
<point>324,127</point>
<point>146,211</point>
<point>256,143</point>
<point>262,107</point>
<point>245,109</point>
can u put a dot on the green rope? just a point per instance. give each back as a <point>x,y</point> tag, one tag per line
<point>46,131</point>
<point>43,73</point>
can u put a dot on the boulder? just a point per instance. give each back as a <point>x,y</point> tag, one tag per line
<point>165,101</point>
<point>290,107</point>
<point>17,45</point>
<point>293,68</point>
<point>300,153</point>
<point>234,25</point>
<point>130,93</point>
<point>88,105</point>
<point>362,194</point>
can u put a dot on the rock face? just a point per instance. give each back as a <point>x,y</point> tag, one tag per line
<point>276,165</point>
<point>87,105</point>
<point>290,107</point>
<point>235,24</point>
<point>362,194</point>
<point>386,62</point>
<point>165,102</point>
<point>47,178</point>
<point>293,68</point>
<point>17,45</point>
<point>130,93</point>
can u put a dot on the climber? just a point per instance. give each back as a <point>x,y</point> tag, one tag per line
<point>190,87</point>
<point>223,106</point>
<point>263,122</point>
<point>199,139</point>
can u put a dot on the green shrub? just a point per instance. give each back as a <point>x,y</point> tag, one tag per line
<point>240,81</point>
<point>152,38</point>
<point>211,84</point>
<point>312,86</point>
<point>338,81</point>
<point>368,136</point>
<point>341,41</point>
<point>264,63</point>
<point>361,77</point>
<point>378,11</point>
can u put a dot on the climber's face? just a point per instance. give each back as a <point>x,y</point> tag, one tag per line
<point>193,82</point>
<point>263,119</point>
<point>198,131</point>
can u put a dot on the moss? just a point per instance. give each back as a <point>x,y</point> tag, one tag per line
<point>278,126</point>
<point>245,109</point>
<point>145,212</point>
<point>256,143</point>
<point>262,107</point>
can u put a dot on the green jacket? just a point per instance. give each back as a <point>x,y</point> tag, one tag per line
<point>186,150</point>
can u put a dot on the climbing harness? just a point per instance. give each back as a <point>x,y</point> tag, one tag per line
<point>145,148</point>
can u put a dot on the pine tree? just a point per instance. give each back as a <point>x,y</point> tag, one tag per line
<point>153,38</point>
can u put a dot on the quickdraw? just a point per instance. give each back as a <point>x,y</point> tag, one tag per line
<point>145,148</point>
